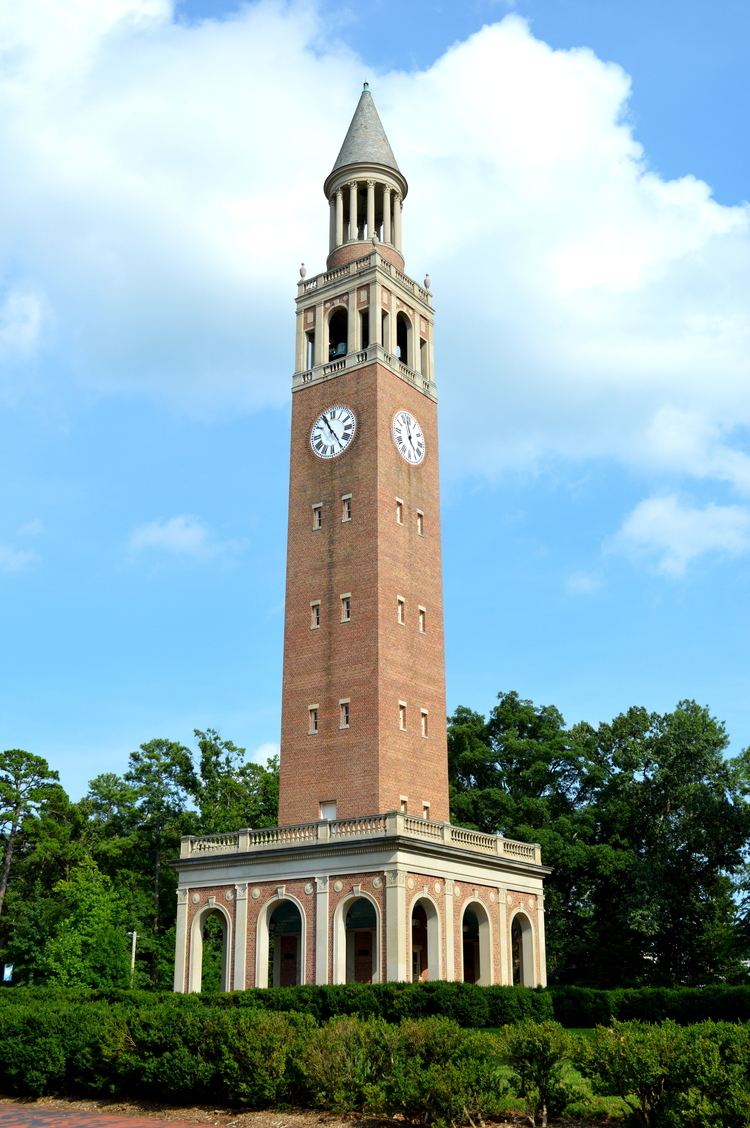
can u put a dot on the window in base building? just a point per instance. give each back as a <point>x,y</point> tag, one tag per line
<point>317,516</point>
<point>314,614</point>
<point>346,608</point>
<point>312,719</point>
<point>402,715</point>
<point>328,809</point>
<point>346,507</point>
<point>424,722</point>
<point>344,713</point>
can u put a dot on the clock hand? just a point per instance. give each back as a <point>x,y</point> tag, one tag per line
<point>330,428</point>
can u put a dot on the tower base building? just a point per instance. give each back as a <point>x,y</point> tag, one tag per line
<point>365,880</point>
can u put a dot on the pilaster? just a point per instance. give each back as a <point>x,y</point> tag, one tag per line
<point>395,926</point>
<point>240,936</point>
<point>322,929</point>
<point>180,957</point>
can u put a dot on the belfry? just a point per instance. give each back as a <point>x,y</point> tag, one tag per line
<point>365,879</point>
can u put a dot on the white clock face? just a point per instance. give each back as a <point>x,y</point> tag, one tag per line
<point>408,437</point>
<point>332,431</point>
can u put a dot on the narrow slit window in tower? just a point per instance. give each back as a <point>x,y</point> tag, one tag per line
<point>344,713</point>
<point>346,507</point>
<point>312,726</point>
<point>402,715</point>
<point>424,722</point>
<point>420,523</point>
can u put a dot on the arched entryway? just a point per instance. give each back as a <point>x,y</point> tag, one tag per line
<point>425,940</point>
<point>280,944</point>
<point>338,333</point>
<point>285,946</point>
<point>522,951</point>
<point>403,339</point>
<point>356,941</point>
<point>209,950</point>
<point>476,944</point>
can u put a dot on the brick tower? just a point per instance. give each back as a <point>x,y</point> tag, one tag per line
<point>364,878</point>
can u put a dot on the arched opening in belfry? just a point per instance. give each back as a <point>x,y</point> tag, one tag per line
<point>425,941</point>
<point>476,946</point>
<point>338,333</point>
<point>522,950</point>
<point>285,945</point>
<point>361,932</point>
<point>403,339</point>
<point>209,952</point>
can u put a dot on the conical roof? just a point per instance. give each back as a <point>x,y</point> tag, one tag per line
<point>365,141</point>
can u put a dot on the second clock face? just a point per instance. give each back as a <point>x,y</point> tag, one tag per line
<point>332,431</point>
<point>408,437</point>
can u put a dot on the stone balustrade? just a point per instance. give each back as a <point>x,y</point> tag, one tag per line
<point>368,826</point>
<point>365,356</point>
<point>310,285</point>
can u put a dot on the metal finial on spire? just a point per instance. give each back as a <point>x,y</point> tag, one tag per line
<point>365,85</point>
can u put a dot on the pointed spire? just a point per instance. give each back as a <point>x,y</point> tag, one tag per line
<point>365,141</point>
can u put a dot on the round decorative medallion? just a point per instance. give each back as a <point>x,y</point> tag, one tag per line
<point>410,883</point>
<point>309,888</point>
<point>196,898</point>
<point>437,886</point>
<point>457,890</point>
<point>377,883</point>
<point>229,895</point>
<point>332,431</point>
<point>255,894</point>
<point>338,886</point>
<point>493,898</point>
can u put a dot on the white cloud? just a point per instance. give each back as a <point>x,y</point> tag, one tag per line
<point>167,182</point>
<point>182,535</point>
<point>264,751</point>
<point>20,323</point>
<point>583,583</point>
<point>15,559</point>
<point>672,534</point>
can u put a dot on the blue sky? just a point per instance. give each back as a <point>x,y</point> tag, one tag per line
<point>578,175</point>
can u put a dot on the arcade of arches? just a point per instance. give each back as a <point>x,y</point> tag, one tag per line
<point>243,936</point>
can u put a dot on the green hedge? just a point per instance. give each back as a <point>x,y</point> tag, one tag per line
<point>586,1006</point>
<point>465,1003</point>
<point>429,1070</point>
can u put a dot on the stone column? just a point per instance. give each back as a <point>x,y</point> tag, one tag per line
<point>370,208</point>
<point>396,968</point>
<point>502,916</point>
<point>322,930</point>
<point>240,936</point>
<point>339,217</point>
<point>180,954</point>
<point>397,221</point>
<point>353,211</point>
<point>332,223</point>
<point>541,977</point>
<point>386,214</point>
<point>450,933</point>
<point>321,331</point>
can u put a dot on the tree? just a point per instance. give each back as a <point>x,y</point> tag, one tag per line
<point>25,781</point>
<point>643,821</point>
<point>231,792</point>
<point>163,778</point>
<point>90,946</point>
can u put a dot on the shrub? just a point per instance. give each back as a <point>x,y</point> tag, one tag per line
<point>537,1052</point>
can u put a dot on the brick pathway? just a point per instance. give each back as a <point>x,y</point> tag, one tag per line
<point>32,1116</point>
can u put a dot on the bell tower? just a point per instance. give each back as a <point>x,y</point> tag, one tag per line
<point>364,879</point>
<point>363,709</point>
